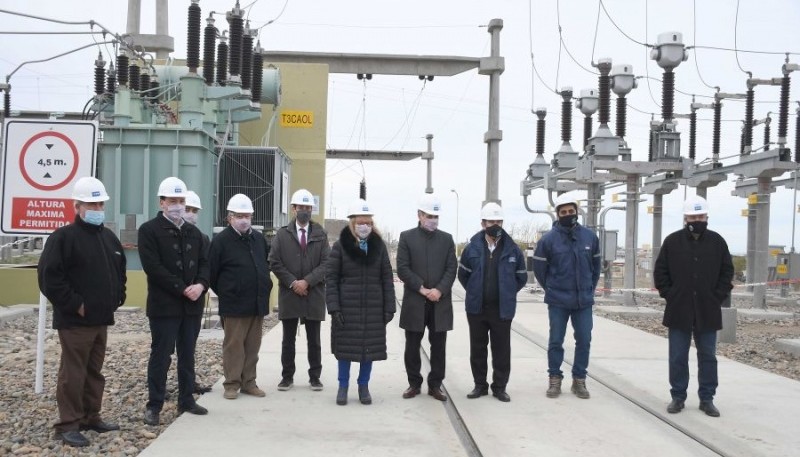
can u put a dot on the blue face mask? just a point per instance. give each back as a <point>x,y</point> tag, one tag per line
<point>94,217</point>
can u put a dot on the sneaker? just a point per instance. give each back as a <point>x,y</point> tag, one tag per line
<point>254,391</point>
<point>554,389</point>
<point>231,393</point>
<point>316,385</point>
<point>579,388</point>
<point>285,384</point>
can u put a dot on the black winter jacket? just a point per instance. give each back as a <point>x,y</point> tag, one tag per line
<point>240,273</point>
<point>83,264</point>
<point>694,276</point>
<point>172,258</point>
<point>359,285</point>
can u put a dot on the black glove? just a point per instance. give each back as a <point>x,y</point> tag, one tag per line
<point>387,317</point>
<point>337,320</point>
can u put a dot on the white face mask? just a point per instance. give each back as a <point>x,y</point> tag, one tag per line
<point>190,218</point>
<point>174,212</point>
<point>241,225</point>
<point>363,231</point>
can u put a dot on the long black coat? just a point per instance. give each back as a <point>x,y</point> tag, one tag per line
<point>83,264</point>
<point>426,259</point>
<point>289,263</point>
<point>360,286</point>
<point>172,258</point>
<point>694,276</point>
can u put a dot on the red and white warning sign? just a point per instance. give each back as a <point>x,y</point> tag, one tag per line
<point>41,162</point>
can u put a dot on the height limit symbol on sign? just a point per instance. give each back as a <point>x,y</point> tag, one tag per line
<point>49,160</point>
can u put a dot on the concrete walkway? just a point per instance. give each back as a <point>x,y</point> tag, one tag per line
<point>626,415</point>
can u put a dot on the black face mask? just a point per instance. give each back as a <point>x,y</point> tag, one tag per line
<point>697,227</point>
<point>568,221</point>
<point>493,230</point>
<point>303,217</point>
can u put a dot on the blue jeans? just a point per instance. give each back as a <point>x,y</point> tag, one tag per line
<point>582,325</point>
<point>706,344</point>
<point>364,372</point>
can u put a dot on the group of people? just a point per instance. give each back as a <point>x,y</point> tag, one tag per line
<point>82,272</point>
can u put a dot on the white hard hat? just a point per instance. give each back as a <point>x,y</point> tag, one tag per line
<point>89,190</point>
<point>302,197</point>
<point>492,212</point>
<point>565,199</point>
<point>240,203</point>
<point>695,205</point>
<point>430,204</point>
<point>359,207</point>
<point>172,187</point>
<point>193,200</point>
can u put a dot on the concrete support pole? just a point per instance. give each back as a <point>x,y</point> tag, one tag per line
<point>494,135</point>
<point>429,159</point>
<point>134,16</point>
<point>631,229</point>
<point>594,196</point>
<point>162,25</point>
<point>702,192</point>
<point>751,244</point>
<point>762,244</point>
<point>658,211</point>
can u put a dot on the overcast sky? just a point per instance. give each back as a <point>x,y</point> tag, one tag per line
<point>400,111</point>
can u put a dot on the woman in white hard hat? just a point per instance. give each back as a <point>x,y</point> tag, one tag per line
<point>360,299</point>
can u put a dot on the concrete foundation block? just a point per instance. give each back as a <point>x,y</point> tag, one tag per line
<point>728,332</point>
<point>790,346</point>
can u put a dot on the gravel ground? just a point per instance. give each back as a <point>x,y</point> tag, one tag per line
<point>755,339</point>
<point>26,418</point>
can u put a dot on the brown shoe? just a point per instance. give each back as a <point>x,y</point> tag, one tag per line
<point>411,392</point>
<point>254,391</point>
<point>436,392</point>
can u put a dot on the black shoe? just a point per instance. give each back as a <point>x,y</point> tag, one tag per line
<point>285,384</point>
<point>501,395</point>
<point>200,390</point>
<point>363,395</point>
<point>100,426</point>
<point>194,409</point>
<point>341,396</point>
<point>73,438</point>
<point>436,392</point>
<point>478,392</point>
<point>411,392</point>
<point>316,385</point>
<point>151,417</point>
<point>709,408</point>
<point>675,406</point>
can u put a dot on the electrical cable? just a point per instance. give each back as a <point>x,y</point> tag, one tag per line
<point>620,30</point>
<point>348,26</point>
<point>561,37</point>
<point>596,28</point>
<point>694,41</point>
<point>646,54</point>
<point>736,39</point>
<point>285,4</point>
<point>413,116</point>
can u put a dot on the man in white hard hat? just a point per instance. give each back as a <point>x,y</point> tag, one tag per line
<point>426,263</point>
<point>566,262</point>
<point>82,273</point>
<point>240,278</point>
<point>177,275</point>
<point>693,273</point>
<point>492,271</point>
<point>191,214</point>
<point>298,257</point>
